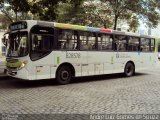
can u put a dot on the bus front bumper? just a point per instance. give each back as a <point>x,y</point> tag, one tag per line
<point>21,74</point>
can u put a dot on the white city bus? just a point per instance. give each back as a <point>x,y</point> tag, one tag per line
<point>46,50</point>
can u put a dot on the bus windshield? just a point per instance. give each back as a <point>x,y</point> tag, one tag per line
<point>41,41</point>
<point>17,44</point>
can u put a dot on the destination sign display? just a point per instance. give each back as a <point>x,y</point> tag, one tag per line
<point>18,26</point>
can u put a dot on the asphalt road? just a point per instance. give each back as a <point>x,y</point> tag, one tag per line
<point>107,94</point>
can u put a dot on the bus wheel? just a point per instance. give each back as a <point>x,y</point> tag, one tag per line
<point>129,69</point>
<point>64,75</point>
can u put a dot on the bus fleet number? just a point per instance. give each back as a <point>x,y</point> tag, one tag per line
<point>73,55</point>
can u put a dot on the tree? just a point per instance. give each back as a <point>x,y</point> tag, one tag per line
<point>97,14</point>
<point>148,13</point>
<point>101,13</point>
<point>5,10</point>
<point>45,9</point>
<point>124,9</point>
<point>19,7</point>
<point>88,12</point>
<point>4,21</point>
<point>70,12</point>
<point>133,23</point>
<point>14,9</point>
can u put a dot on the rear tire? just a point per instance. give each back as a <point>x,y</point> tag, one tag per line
<point>63,75</point>
<point>129,69</point>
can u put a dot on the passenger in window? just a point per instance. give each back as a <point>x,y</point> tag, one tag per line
<point>35,42</point>
<point>99,47</point>
<point>68,44</point>
<point>90,46</point>
<point>40,47</point>
<point>94,46</point>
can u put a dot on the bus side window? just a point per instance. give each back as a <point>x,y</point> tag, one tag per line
<point>83,41</point>
<point>67,39</point>
<point>105,42</point>
<point>145,47</point>
<point>68,44</point>
<point>133,44</point>
<point>116,42</point>
<point>99,42</point>
<point>87,41</point>
<point>121,42</point>
<point>152,45</point>
<point>91,41</point>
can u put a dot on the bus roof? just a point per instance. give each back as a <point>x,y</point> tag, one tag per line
<point>87,28</point>
<point>146,36</point>
<point>79,27</point>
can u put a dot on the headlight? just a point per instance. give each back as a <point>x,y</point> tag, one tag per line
<point>23,64</point>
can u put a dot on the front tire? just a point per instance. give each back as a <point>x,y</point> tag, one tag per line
<point>63,75</point>
<point>129,69</point>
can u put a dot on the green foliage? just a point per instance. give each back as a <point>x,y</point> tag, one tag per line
<point>46,9</point>
<point>121,9</point>
<point>4,21</point>
<point>15,9</point>
<point>124,9</point>
<point>90,13</point>
<point>148,13</point>
<point>100,13</point>
<point>97,14</point>
<point>70,11</point>
<point>133,23</point>
<point>19,5</point>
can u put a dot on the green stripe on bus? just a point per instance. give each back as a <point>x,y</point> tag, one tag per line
<point>58,60</point>
<point>112,59</point>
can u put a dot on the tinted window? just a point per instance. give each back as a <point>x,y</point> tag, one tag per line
<point>121,42</point>
<point>87,41</point>
<point>133,44</point>
<point>145,47</point>
<point>67,39</point>
<point>105,42</point>
<point>152,45</point>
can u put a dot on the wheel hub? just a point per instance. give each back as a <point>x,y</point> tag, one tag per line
<point>64,75</point>
<point>129,70</point>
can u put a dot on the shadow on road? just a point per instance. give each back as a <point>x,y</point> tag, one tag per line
<point>9,82</point>
<point>103,77</point>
